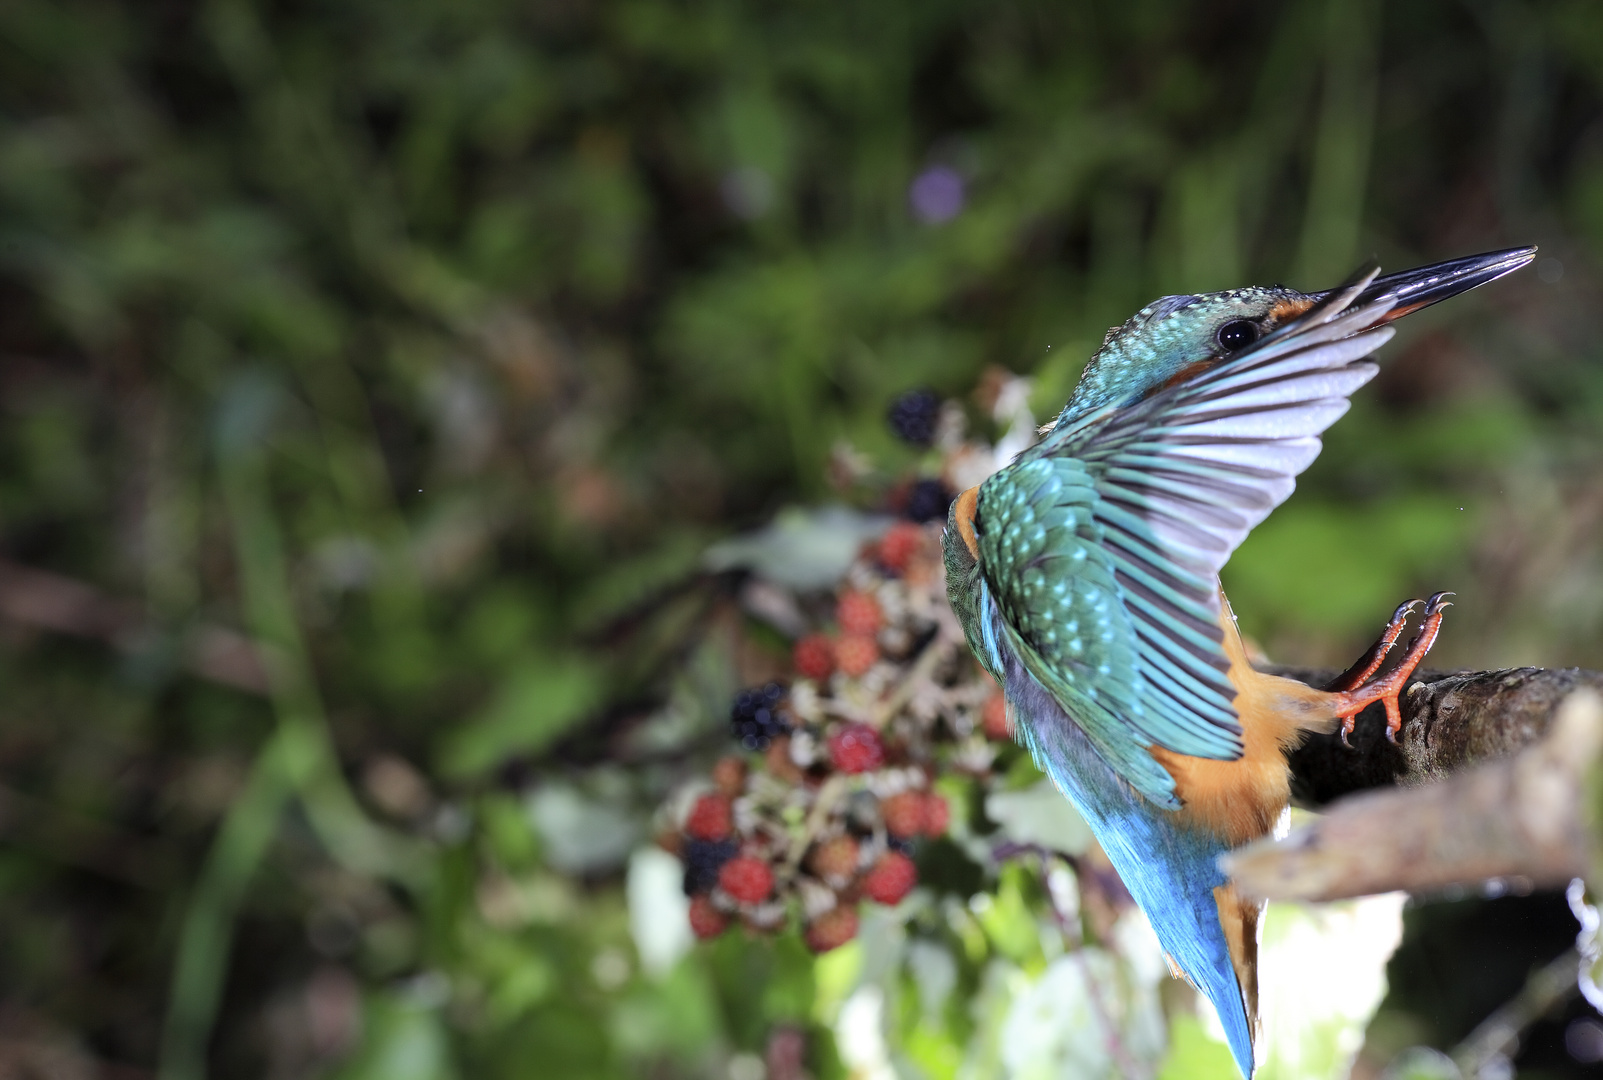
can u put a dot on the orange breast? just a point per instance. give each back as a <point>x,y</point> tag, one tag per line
<point>1240,800</point>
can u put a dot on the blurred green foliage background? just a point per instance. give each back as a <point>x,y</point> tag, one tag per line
<point>427,344</point>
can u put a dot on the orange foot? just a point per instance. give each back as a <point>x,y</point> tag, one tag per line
<point>1370,662</point>
<point>1353,695</point>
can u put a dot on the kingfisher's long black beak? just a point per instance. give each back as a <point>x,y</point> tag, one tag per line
<point>1423,286</point>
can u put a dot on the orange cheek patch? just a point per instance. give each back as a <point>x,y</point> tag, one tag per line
<point>963,514</point>
<point>1289,309</point>
<point>1186,372</point>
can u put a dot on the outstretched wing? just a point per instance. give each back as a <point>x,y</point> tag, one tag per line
<point>1053,583</point>
<point>1169,487</point>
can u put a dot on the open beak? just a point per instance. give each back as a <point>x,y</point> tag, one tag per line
<point>1421,287</point>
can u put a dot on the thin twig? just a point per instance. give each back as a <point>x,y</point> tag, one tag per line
<point>938,649</point>
<point>829,792</point>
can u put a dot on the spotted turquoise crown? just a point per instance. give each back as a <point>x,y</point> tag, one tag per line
<point>1170,337</point>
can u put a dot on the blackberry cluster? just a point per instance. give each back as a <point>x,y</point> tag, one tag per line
<point>755,717</point>
<point>821,812</point>
<point>912,416</point>
<point>703,859</point>
<point>927,501</point>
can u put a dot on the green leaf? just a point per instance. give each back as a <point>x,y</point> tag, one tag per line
<point>1194,1054</point>
<point>677,1016</point>
<point>631,582</point>
<point>537,705</point>
<point>1367,560</point>
<point>402,1041</point>
<point>1039,816</point>
<point>1008,920</point>
<point>804,549</point>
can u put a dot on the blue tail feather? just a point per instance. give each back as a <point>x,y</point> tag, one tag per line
<point>1170,871</point>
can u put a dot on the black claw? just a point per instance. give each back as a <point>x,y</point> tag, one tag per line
<point>1439,602</point>
<point>1391,736</point>
<point>1405,609</point>
<point>1344,741</point>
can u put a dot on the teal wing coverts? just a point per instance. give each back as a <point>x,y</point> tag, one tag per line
<point>1066,619</point>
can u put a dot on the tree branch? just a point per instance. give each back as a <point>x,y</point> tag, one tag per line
<point>1528,816</point>
<point>1451,721</point>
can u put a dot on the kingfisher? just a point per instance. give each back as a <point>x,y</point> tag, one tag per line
<point>1085,575</point>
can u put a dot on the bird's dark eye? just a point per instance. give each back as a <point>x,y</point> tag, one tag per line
<point>1237,334</point>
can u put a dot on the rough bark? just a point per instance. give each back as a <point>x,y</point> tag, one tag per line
<point>1451,721</point>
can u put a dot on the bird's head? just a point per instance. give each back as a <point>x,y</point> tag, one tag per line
<point>1176,337</point>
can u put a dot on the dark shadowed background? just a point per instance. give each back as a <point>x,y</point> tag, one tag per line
<point>427,345</point>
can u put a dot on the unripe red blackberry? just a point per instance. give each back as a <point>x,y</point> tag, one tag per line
<point>856,653</point>
<point>937,815</point>
<point>706,921</point>
<point>747,879</point>
<point>890,878</point>
<point>777,761</point>
<point>903,813</point>
<point>858,613</point>
<point>898,546</point>
<point>855,748</point>
<point>832,929</point>
<point>814,657</point>
<point>710,819</point>
<point>729,776</point>
<point>835,860</point>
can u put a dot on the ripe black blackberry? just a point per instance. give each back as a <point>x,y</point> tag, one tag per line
<point>913,415</point>
<point>703,860</point>
<point>927,501</point>
<point>754,717</point>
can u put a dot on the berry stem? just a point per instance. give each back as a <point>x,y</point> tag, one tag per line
<point>829,793</point>
<point>923,670</point>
